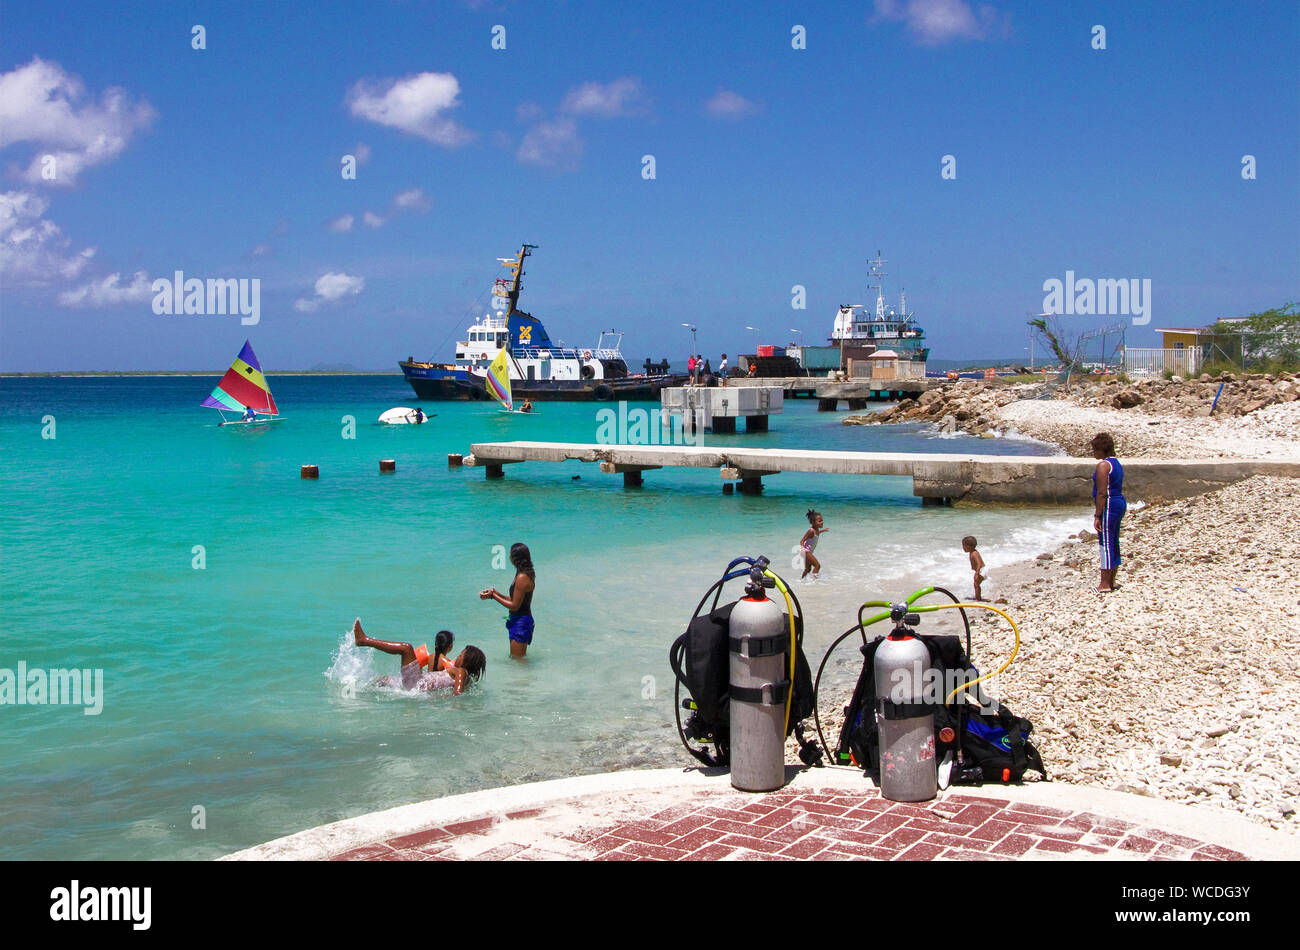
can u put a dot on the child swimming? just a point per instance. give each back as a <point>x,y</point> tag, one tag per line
<point>809,544</point>
<point>442,674</point>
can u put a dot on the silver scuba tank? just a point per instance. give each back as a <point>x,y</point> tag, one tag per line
<point>759,682</point>
<point>908,772</point>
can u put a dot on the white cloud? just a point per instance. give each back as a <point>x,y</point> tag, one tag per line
<point>361,153</point>
<point>527,111</point>
<point>554,144</point>
<point>412,104</point>
<point>607,100</point>
<point>33,249</point>
<point>262,250</point>
<point>413,199</point>
<point>726,104</point>
<point>341,224</point>
<point>329,288</point>
<point>372,220</point>
<point>109,291</point>
<point>44,106</point>
<point>935,22</point>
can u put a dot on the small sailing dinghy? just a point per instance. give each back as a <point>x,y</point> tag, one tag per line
<point>244,390</point>
<point>497,381</point>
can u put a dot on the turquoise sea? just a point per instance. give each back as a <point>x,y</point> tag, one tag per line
<point>229,684</point>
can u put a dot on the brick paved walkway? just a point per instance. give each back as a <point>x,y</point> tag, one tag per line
<point>790,824</point>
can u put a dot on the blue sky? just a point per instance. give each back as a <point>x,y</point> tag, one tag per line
<point>774,167</point>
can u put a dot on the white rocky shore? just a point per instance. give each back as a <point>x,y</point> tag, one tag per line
<point>1181,685</point>
<point>1184,683</point>
<point>1257,416</point>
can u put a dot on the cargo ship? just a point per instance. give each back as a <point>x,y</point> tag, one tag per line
<point>539,367</point>
<point>856,336</point>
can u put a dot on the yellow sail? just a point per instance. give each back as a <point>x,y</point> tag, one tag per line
<point>498,380</point>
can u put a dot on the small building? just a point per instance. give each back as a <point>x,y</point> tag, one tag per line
<point>1186,349</point>
<point>886,365</point>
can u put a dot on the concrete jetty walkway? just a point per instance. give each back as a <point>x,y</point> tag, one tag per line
<point>938,478</point>
<point>822,814</point>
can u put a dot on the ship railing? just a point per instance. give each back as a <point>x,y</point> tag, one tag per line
<point>564,353</point>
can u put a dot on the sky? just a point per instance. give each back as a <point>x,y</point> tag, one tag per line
<point>983,149</point>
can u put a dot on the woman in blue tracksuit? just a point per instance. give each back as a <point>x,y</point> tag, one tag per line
<point>1109,508</point>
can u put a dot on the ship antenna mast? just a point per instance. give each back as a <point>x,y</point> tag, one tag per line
<point>877,273</point>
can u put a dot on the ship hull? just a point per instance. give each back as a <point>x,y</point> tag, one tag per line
<point>438,383</point>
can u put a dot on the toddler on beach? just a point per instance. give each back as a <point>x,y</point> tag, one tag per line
<point>976,562</point>
<point>809,543</point>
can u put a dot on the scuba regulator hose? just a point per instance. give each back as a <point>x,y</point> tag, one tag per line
<point>861,627</point>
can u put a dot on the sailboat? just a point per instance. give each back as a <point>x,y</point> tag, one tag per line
<point>244,389</point>
<point>497,382</point>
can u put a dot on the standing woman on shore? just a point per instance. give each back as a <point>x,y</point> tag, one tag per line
<point>1109,507</point>
<point>519,601</point>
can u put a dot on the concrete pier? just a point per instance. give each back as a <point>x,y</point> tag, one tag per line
<point>715,409</point>
<point>830,393</point>
<point>940,479</point>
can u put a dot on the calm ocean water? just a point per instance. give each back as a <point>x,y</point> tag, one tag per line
<point>233,688</point>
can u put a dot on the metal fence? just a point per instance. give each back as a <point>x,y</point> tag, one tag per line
<point>1155,362</point>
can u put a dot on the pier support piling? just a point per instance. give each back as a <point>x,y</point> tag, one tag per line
<point>494,470</point>
<point>827,405</point>
<point>631,473</point>
<point>752,424</point>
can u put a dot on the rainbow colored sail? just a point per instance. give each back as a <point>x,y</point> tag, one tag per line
<point>243,386</point>
<point>498,380</point>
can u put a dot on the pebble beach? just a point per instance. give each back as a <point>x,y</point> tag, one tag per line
<point>1182,684</point>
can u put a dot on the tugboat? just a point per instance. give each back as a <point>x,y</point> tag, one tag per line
<point>539,368</point>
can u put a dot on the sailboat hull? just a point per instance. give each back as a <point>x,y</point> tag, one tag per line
<point>250,422</point>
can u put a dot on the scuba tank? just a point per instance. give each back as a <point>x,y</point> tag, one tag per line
<point>759,644</point>
<point>701,660</point>
<point>904,719</point>
<point>978,738</point>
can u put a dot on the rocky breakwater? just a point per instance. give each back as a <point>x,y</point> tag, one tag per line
<point>966,405</point>
<point>1257,416</point>
<point>1241,394</point>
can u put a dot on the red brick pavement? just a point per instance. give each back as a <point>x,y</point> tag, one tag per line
<point>787,825</point>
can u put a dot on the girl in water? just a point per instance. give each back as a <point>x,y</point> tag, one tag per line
<point>442,674</point>
<point>809,544</point>
<point>519,600</point>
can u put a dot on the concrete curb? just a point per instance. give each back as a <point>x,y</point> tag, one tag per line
<point>575,798</point>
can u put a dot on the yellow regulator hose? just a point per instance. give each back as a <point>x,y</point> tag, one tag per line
<point>789,610</point>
